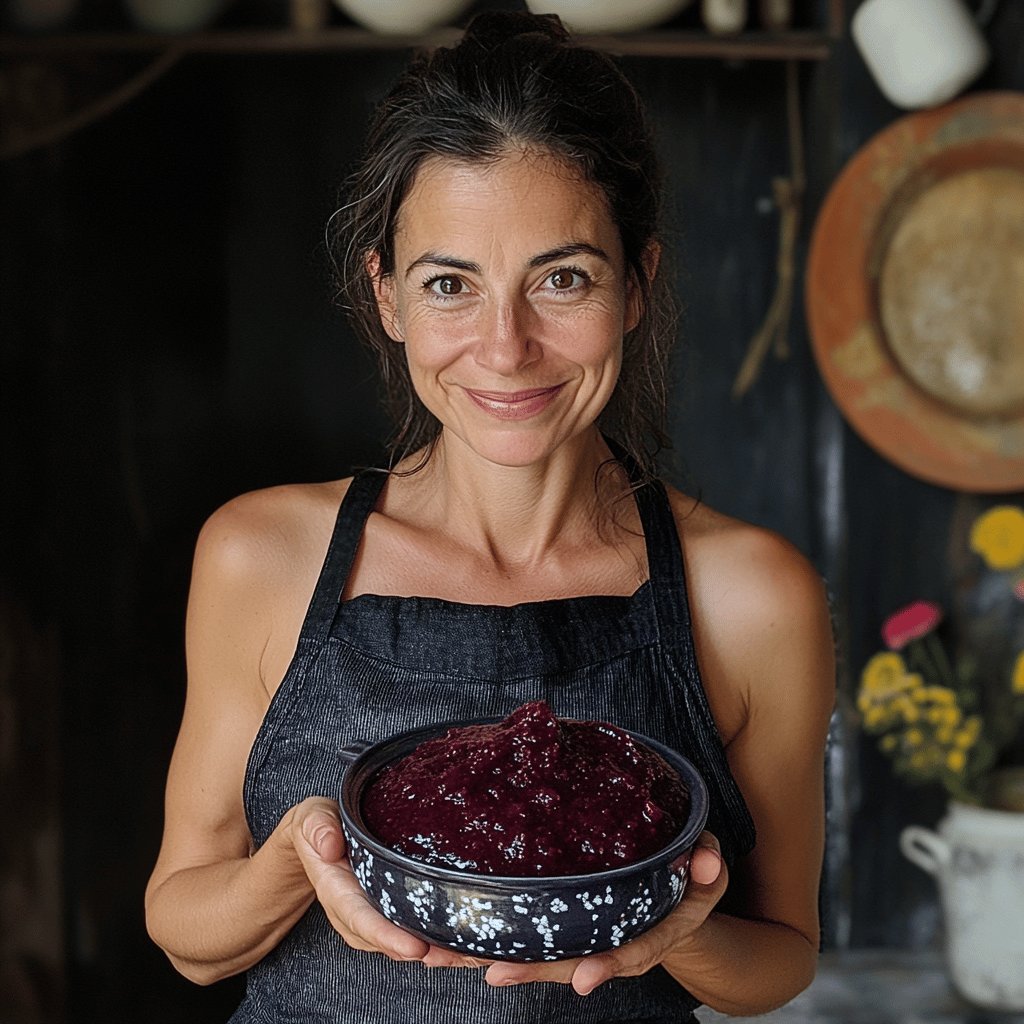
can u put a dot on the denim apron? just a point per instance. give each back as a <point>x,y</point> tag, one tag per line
<point>376,665</point>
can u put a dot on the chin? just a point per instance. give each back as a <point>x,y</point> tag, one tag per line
<point>516,448</point>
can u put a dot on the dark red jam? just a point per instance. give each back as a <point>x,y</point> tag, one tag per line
<point>529,796</point>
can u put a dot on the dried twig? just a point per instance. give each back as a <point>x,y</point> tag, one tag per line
<point>773,334</point>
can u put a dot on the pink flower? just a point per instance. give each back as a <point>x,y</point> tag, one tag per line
<point>910,623</point>
<point>1018,590</point>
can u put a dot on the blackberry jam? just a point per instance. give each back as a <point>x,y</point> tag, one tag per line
<point>533,795</point>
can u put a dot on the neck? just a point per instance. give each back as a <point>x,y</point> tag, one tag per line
<point>516,515</point>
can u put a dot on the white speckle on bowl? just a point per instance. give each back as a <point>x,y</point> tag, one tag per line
<point>545,929</point>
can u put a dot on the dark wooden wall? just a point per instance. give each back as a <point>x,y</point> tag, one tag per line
<point>168,340</point>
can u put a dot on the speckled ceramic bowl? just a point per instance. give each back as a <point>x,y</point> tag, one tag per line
<point>504,918</point>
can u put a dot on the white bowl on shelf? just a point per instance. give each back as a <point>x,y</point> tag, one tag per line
<point>403,17</point>
<point>610,15</point>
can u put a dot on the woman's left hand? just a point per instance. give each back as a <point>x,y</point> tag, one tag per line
<point>707,882</point>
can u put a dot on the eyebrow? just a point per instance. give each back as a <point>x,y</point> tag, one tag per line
<point>559,252</point>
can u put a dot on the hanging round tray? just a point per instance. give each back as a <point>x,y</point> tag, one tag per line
<point>915,293</point>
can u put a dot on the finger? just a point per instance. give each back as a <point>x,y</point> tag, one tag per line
<point>634,958</point>
<point>501,974</point>
<point>706,860</point>
<point>441,957</point>
<point>317,821</point>
<point>596,970</point>
<point>363,927</point>
<point>322,830</point>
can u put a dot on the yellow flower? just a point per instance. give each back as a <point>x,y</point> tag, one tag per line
<point>888,743</point>
<point>1017,679</point>
<point>913,738</point>
<point>998,536</point>
<point>968,734</point>
<point>873,717</point>
<point>963,740</point>
<point>956,761</point>
<point>884,676</point>
<point>907,709</point>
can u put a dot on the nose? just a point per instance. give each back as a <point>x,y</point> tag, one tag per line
<point>506,342</point>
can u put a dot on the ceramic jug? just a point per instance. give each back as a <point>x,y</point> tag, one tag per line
<point>920,52</point>
<point>977,858</point>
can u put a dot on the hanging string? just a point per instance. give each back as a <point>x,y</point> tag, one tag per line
<point>103,107</point>
<point>773,334</point>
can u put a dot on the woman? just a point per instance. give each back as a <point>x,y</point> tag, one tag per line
<point>500,253</point>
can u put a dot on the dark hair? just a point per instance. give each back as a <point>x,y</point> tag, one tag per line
<point>514,82</point>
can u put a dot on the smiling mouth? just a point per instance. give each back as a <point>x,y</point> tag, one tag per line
<point>514,405</point>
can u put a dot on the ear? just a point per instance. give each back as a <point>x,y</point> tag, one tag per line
<point>384,292</point>
<point>650,258</point>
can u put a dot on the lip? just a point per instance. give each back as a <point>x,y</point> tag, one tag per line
<point>514,405</point>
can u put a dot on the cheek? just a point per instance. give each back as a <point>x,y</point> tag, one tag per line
<point>429,351</point>
<point>591,340</point>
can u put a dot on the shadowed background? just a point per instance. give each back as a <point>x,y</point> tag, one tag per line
<point>169,339</point>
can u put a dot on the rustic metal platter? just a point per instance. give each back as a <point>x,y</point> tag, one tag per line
<point>915,293</point>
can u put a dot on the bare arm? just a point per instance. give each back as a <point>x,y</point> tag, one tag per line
<point>214,909</point>
<point>770,636</point>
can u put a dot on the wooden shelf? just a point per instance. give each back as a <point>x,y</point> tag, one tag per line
<point>796,45</point>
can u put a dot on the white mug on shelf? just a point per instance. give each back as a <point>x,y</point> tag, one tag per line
<point>920,52</point>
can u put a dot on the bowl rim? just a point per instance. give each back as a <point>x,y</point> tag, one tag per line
<point>684,841</point>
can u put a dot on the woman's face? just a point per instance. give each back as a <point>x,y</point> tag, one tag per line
<point>511,296</point>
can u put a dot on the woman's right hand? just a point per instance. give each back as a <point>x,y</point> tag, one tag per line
<point>316,834</point>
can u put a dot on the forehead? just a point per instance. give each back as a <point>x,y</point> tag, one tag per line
<point>525,198</point>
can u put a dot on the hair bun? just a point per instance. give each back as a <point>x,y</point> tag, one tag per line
<point>492,29</point>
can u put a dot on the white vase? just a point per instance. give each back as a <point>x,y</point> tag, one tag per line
<point>403,17</point>
<point>609,15</point>
<point>977,858</point>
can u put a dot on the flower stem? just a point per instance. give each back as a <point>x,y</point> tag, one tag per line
<point>941,661</point>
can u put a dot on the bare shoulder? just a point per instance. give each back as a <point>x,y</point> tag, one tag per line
<point>272,528</point>
<point>761,616</point>
<point>256,564</point>
<point>750,568</point>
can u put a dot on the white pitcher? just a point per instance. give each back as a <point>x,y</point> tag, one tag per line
<point>920,52</point>
<point>977,857</point>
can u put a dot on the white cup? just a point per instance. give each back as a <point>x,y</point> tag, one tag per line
<point>920,52</point>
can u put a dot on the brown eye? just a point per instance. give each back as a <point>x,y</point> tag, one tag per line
<point>568,279</point>
<point>447,285</point>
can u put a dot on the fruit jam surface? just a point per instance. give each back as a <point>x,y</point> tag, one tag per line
<point>530,796</point>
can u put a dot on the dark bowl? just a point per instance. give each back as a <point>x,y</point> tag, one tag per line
<point>505,918</point>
